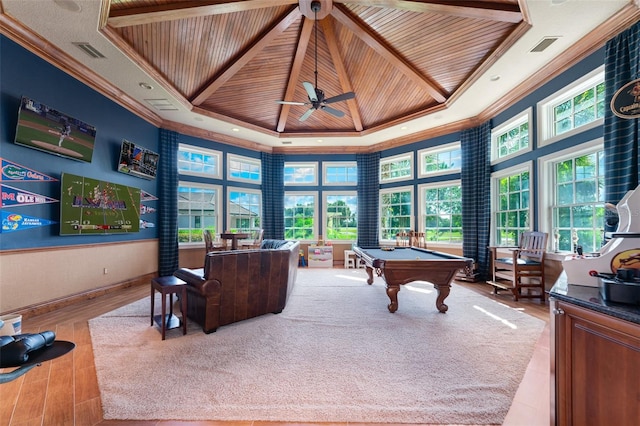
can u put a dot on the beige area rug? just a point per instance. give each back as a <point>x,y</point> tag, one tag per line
<point>335,354</point>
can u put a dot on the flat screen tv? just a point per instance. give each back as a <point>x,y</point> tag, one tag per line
<point>46,129</point>
<point>92,206</point>
<point>138,161</point>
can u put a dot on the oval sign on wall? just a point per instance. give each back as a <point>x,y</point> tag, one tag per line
<point>626,101</point>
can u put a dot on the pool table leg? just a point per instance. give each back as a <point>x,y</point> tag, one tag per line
<point>392,292</point>
<point>443,292</point>
<point>370,274</point>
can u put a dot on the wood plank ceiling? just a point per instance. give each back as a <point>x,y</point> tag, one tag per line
<point>234,59</point>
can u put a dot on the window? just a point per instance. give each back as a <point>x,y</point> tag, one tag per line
<point>441,212</point>
<point>434,161</point>
<point>300,216</point>
<point>244,169</point>
<point>340,173</point>
<point>512,138</point>
<point>199,162</point>
<point>396,211</point>
<point>512,210</point>
<point>399,167</point>
<point>301,174</point>
<point>579,107</point>
<point>341,216</point>
<point>198,209</point>
<point>576,201</point>
<point>244,209</point>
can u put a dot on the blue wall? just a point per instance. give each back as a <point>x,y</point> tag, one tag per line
<point>24,74</point>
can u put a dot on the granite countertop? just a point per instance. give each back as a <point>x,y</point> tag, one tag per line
<point>590,298</point>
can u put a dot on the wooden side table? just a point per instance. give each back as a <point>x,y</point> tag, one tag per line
<point>169,285</point>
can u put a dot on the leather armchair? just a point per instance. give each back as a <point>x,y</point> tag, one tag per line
<point>241,284</point>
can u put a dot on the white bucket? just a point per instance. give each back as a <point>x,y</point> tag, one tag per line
<point>12,325</point>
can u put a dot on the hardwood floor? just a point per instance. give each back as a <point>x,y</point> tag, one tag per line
<point>65,391</point>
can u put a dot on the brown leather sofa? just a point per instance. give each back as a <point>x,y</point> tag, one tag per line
<point>241,284</point>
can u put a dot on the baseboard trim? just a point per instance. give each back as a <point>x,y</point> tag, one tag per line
<point>52,305</point>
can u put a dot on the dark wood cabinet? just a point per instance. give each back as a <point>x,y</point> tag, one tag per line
<point>595,367</point>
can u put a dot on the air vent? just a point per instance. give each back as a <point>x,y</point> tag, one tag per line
<point>286,142</point>
<point>546,42</point>
<point>161,104</point>
<point>89,49</point>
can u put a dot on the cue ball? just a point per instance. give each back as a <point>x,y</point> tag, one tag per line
<point>417,257</point>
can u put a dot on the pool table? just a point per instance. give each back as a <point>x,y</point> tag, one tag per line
<point>402,265</point>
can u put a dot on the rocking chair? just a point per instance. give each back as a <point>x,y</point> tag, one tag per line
<point>524,269</point>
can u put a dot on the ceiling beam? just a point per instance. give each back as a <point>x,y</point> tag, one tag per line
<point>492,11</point>
<point>262,42</point>
<point>184,10</point>
<point>301,50</point>
<point>343,77</point>
<point>387,52</point>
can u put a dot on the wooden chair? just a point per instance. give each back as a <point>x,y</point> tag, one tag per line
<point>211,245</point>
<point>417,239</point>
<point>524,269</point>
<point>402,239</point>
<point>257,240</point>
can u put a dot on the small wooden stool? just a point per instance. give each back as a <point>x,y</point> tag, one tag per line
<point>169,285</point>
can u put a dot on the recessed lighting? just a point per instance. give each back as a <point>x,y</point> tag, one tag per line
<point>319,140</point>
<point>69,5</point>
<point>495,77</point>
<point>403,128</point>
<point>146,86</point>
<point>198,118</point>
<point>235,129</point>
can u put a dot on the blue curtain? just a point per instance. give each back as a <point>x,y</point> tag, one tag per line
<point>272,195</point>
<point>168,255</point>
<point>368,198</point>
<point>622,65</point>
<point>476,205</point>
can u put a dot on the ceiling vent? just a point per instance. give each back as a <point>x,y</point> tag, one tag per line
<point>286,142</point>
<point>161,104</point>
<point>546,42</point>
<point>88,49</point>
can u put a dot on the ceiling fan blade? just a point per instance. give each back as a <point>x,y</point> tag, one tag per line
<point>311,91</point>
<point>306,114</point>
<point>290,103</point>
<point>343,97</point>
<point>333,111</point>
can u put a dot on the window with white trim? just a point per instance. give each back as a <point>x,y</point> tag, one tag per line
<point>300,215</point>
<point>301,174</point>
<point>578,107</point>
<point>244,209</point>
<point>575,197</point>
<point>512,138</point>
<point>396,168</point>
<point>340,173</point>
<point>340,216</point>
<point>396,211</point>
<point>441,212</point>
<point>244,169</point>
<point>512,205</point>
<point>196,161</point>
<point>198,209</point>
<point>442,160</point>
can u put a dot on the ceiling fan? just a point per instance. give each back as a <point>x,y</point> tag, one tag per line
<point>316,96</point>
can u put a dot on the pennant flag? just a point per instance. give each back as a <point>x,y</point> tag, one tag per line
<point>145,196</point>
<point>15,172</point>
<point>146,209</point>
<point>17,197</point>
<point>18,222</point>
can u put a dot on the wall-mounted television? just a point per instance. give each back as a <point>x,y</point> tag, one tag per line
<point>46,129</point>
<point>138,161</point>
<point>91,206</point>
